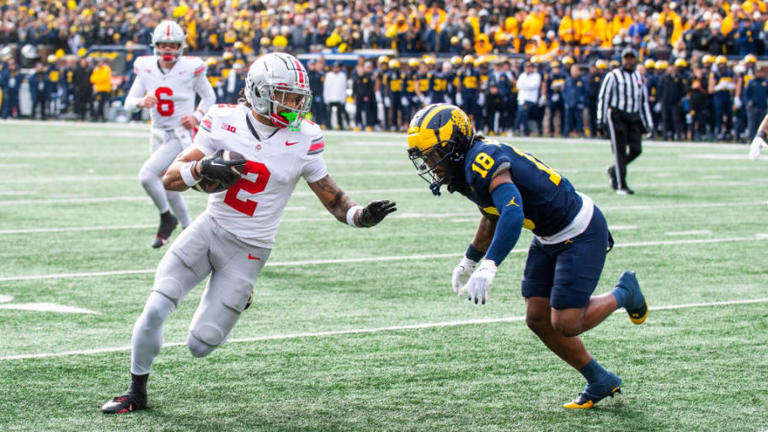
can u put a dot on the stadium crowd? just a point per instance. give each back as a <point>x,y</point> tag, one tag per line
<point>486,56</point>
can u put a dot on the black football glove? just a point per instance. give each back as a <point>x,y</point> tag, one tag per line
<point>214,167</point>
<point>375,212</point>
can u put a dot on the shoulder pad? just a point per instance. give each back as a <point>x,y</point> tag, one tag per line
<point>196,64</point>
<point>312,132</point>
<point>219,113</point>
<point>310,129</point>
<point>141,62</point>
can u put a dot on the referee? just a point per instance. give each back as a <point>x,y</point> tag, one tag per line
<point>624,115</point>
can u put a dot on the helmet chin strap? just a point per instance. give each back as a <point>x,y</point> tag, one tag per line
<point>435,188</point>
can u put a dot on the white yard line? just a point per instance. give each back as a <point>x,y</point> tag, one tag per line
<point>454,217</point>
<point>687,233</point>
<point>419,326</point>
<point>67,179</point>
<point>684,206</point>
<point>75,229</point>
<point>418,191</point>
<point>756,237</point>
<point>73,200</point>
<point>74,124</point>
<point>622,227</point>
<point>640,186</point>
<point>47,307</point>
<point>76,275</point>
<point>112,134</point>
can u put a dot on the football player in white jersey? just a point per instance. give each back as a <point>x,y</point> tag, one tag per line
<point>166,84</point>
<point>233,238</point>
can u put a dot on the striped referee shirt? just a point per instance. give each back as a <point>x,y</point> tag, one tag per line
<point>624,91</point>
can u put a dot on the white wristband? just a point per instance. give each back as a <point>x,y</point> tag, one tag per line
<point>351,215</point>
<point>198,115</point>
<point>186,174</point>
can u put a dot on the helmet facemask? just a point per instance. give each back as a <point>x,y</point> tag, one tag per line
<point>288,107</point>
<point>165,51</point>
<point>438,165</point>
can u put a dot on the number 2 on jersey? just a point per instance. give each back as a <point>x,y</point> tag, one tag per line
<point>164,106</point>
<point>248,206</point>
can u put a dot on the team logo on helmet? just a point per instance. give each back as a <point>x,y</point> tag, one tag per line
<point>438,138</point>
<point>277,86</point>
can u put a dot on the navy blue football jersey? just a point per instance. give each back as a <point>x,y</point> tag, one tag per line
<point>549,200</point>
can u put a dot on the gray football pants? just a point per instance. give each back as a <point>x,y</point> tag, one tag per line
<point>203,248</point>
<point>164,146</point>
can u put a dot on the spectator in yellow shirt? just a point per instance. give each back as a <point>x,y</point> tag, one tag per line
<point>101,78</point>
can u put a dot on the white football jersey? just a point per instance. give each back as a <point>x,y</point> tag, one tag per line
<point>252,207</point>
<point>174,89</point>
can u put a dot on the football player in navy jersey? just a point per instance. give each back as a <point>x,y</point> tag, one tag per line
<point>515,190</point>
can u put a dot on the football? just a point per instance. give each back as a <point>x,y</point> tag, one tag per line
<point>207,185</point>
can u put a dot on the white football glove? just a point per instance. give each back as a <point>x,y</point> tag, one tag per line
<point>754,148</point>
<point>461,274</point>
<point>479,284</point>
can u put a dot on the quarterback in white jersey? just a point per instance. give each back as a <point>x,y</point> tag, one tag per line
<point>233,238</point>
<point>166,83</point>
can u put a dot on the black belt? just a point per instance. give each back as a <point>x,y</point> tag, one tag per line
<point>626,115</point>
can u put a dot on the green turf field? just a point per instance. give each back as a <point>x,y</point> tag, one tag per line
<point>357,329</point>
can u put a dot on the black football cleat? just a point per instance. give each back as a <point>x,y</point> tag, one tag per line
<point>250,301</point>
<point>168,223</point>
<point>593,394</point>
<point>611,172</point>
<point>126,402</point>
<point>625,191</point>
<point>636,307</point>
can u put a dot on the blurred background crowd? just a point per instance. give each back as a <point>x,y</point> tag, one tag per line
<point>375,62</point>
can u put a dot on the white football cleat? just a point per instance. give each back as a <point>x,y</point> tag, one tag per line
<point>754,148</point>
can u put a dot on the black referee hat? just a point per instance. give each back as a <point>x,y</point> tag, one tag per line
<point>628,52</point>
